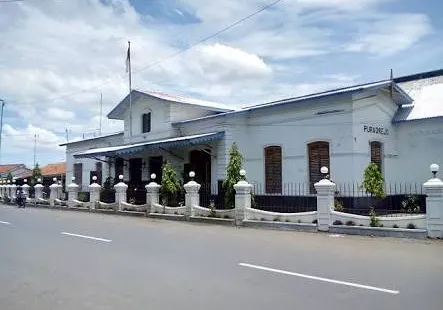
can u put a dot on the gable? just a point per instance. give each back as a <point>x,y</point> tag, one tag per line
<point>120,110</point>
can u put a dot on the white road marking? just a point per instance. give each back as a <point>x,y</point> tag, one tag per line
<point>86,237</point>
<point>321,279</point>
<point>6,223</point>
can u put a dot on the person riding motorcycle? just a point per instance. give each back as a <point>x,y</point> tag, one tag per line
<point>20,197</point>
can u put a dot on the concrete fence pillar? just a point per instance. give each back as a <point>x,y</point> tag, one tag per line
<point>60,190</point>
<point>25,188</point>
<point>13,191</point>
<point>94,194</point>
<point>120,192</point>
<point>325,202</point>
<point>8,191</point>
<point>53,194</point>
<point>38,191</point>
<point>242,198</point>
<point>72,191</point>
<point>2,190</point>
<point>152,194</point>
<point>434,204</point>
<point>192,197</point>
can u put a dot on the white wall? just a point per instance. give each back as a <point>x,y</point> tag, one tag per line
<point>420,143</point>
<point>163,114</point>
<point>373,110</point>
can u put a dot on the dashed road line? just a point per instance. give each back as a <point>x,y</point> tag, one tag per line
<point>86,237</point>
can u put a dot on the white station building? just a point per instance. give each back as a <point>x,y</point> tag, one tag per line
<point>396,123</point>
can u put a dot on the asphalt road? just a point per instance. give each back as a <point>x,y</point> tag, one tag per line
<point>49,261</point>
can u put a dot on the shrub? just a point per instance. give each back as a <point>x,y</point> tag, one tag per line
<point>374,221</point>
<point>410,226</point>
<point>373,181</point>
<point>232,176</point>
<point>262,219</point>
<point>277,219</point>
<point>411,204</point>
<point>82,196</point>
<point>170,186</point>
<point>299,221</point>
<point>314,221</point>
<point>287,221</point>
<point>226,217</point>
<point>337,222</point>
<point>395,226</point>
<point>350,223</point>
<point>212,209</point>
<point>338,206</point>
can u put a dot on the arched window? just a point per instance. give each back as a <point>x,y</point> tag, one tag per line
<point>376,153</point>
<point>146,122</point>
<point>273,170</point>
<point>318,156</point>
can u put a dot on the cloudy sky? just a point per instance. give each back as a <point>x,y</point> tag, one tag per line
<point>57,56</point>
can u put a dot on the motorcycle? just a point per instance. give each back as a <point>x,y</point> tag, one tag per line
<point>20,199</point>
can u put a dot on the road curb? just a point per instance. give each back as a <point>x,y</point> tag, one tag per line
<point>379,231</point>
<point>212,220</point>
<point>280,225</point>
<point>172,217</point>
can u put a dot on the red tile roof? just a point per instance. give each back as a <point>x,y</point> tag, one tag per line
<point>53,169</point>
<point>9,167</point>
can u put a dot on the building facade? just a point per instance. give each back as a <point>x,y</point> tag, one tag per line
<point>395,123</point>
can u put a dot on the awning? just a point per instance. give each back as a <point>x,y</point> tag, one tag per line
<point>139,147</point>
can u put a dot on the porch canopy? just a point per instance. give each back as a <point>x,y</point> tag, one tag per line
<point>116,151</point>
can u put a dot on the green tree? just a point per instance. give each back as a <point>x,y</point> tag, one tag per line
<point>232,176</point>
<point>36,174</point>
<point>9,177</point>
<point>373,181</point>
<point>170,185</point>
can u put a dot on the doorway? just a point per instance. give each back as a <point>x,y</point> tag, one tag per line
<point>156,166</point>
<point>135,170</point>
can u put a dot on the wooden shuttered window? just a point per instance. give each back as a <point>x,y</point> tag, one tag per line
<point>273,169</point>
<point>146,122</point>
<point>376,153</point>
<point>318,153</point>
<point>78,173</point>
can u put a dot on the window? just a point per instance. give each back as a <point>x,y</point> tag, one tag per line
<point>376,153</point>
<point>318,154</point>
<point>273,170</point>
<point>146,122</point>
<point>78,173</point>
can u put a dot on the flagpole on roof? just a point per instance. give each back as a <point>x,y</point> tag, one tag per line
<point>128,69</point>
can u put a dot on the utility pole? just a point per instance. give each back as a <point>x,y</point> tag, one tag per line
<point>35,148</point>
<point>1,126</point>
<point>67,134</point>
<point>101,108</point>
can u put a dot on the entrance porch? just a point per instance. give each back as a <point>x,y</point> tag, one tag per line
<point>137,162</point>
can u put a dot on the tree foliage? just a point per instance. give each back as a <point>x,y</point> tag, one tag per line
<point>9,177</point>
<point>170,186</point>
<point>36,174</point>
<point>373,181</point>
<point>232,175</point>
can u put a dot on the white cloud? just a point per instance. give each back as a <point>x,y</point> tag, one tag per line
<point>23,139</point>
<point>387,35</point>
<point>59,114</point>
<point>58,56</point>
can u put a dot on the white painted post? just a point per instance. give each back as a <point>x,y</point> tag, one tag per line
<point>242,198</point>
<point>192,196</point>
<point>25,188</point>
<point>120,192</point>
<point>94,193</point>
<point>434,204</point>
<point>152,193</point>
<point>60,190</point>
<point>8,190</point>
<point>2,190</point>
<point>38,191</point>
<point>53,193</point>
<point>13,191</point>
<point>325,201</point>
<point>72,192</point>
